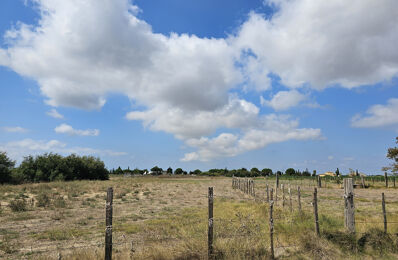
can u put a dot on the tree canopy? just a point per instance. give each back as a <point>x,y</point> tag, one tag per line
<point>392,154</point>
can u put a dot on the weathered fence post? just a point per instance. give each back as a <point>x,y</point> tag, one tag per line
<point>283,195</point>
<point>108,223</point>
<point>271,195</point>
<point>393,181</point>
<point>210,227</point>
<point>315,204</point>
<point>271,228</point>
<point>290,199</point>
<point>383,205</point>
<point>277,180</point>
<point>299,198</point>
<point>386,179</point>
<point>349,209</point>
<point>254,190</point>
<point>319,182</point>
<point>363,182</point>
<point>267,191</point>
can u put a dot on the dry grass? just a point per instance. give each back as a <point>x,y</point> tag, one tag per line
<point>166,218</point>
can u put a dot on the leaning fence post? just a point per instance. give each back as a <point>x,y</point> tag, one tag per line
<point>386,179</point>
<point>271,228</point>
<point>315,204</point>
<point>108,223</point>
<point>210,227</point>
<point>349,209</point>
<point>299,198</point>
<point>383,205</point>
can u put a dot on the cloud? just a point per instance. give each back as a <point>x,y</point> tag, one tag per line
<point>227,145</point>
<point>54,113</point>
<point>67,129</point>
<point>79,52</point>
<point>324,43</point>
<point>14,129</point>
<point>330,157</point>
<point>18,149</point>
<point>378,115</point>
<point>283,100</point>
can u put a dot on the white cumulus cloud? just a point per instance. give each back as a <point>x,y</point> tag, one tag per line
<point>54,113</point>
<point>284,100</point>
<point>18,149</point>
<point>325,43</point>
<point>67,129</point>
<point>14,129</point>
<point>378,115</point>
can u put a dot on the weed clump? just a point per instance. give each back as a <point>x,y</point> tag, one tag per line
<point>18,205</point>
<point>43,200</point>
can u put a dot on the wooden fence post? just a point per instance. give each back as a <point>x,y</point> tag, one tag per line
<point>363,182</point>
<point>319,182</point>
<point>271,195</point>
<point>271,228</point>
<point>299,198</point>
<point>349,209</point>
<point>254,190</point>
<point>267,191</point>
<point>386,179</point>
<point>315,204</point>
<point>108,223</point>
<point>283,195</point>
<point>210,227</point>
<point>383,205</point>
<point>290,199</point>
<point>393,180</point>
<point>277,180</point>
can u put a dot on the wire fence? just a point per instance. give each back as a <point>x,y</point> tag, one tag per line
<point>292,205</point>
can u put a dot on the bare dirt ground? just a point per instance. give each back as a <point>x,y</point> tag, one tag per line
<point>69,217</point>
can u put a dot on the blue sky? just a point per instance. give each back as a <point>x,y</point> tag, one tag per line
<point>201,84</point>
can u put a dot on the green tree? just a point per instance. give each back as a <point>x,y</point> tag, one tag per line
<point>290,172</point>
<point>118,171</point>
<point>254,172</point>
<point>314,173</point>
<point>266,172</point>
<point>337,172</point>
<point>157,170</point>
<point>6,165</point>
<point>197,172</point>
<point>178,171</point>
<point>169,170</point>
<point>392,154</point>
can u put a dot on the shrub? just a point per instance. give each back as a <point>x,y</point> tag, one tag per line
<point>59,202</point>
<point>43,200</point>
<point>18,205</point>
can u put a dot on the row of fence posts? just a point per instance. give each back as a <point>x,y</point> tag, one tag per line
<point>349,209</point>
<point>247,186</point>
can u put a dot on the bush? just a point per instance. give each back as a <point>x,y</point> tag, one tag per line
<point>18,205</point>
<point>59,202</point>
<point>43,200</point>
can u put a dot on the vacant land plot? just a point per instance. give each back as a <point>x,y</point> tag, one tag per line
<point>166,218</point>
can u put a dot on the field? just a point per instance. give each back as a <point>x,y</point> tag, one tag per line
<point>166,218</point>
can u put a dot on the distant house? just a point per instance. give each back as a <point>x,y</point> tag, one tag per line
<point>332,174</point>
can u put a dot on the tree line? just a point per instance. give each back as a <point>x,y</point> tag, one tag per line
<point>242,172</point>
<point>52,167</point>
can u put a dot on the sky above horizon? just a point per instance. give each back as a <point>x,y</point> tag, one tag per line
<point>201,84</point>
